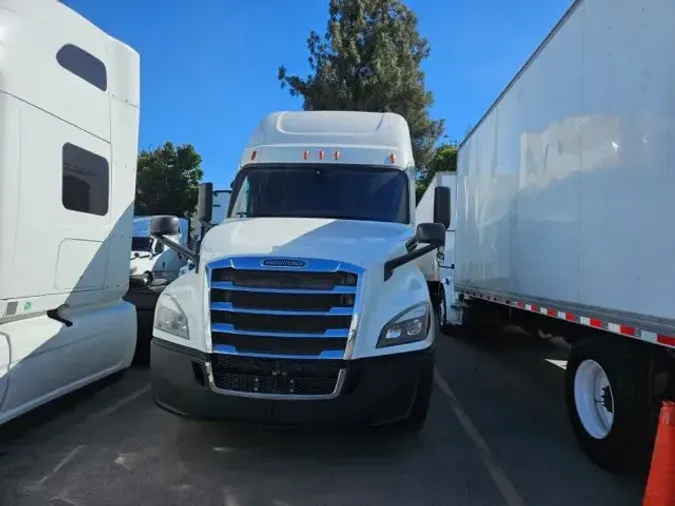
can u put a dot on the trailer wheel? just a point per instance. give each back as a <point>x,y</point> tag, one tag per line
<point>607,403</point>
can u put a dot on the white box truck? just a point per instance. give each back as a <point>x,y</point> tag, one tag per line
<point>69,115</point>
<point>306,304</point>
<point>564,199</point>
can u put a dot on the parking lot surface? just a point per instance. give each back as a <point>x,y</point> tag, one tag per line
<point>496,435</point>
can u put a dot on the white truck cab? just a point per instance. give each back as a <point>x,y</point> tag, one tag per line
<point>306,305</point>
<point>69,115</point>
<point>438,267</point>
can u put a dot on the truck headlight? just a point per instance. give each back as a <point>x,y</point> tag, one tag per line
<point>170,317</point>
<point>410,326</point>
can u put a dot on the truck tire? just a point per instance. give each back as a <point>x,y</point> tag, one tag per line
<point>606,389</point>
<point>414,422</point>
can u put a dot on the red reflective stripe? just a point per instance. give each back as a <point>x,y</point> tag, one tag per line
<point>552,312</point>
<point>668,340</point>
<point>596,323</point>
<point>625,329</point>
<point>569,317</point>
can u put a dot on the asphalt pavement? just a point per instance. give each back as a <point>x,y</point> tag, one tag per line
<point>497,434</point>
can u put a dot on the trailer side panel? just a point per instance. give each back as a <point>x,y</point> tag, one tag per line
<point>565,185</point>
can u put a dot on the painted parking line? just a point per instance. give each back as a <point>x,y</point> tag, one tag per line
<point>506,488</point>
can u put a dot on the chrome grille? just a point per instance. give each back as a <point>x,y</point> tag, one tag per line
<point>279,307</point>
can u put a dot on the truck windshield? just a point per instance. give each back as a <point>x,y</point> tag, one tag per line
<point>350,192</point>
<point>141,243</point>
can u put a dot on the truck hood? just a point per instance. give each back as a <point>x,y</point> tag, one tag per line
<point>358,242</point>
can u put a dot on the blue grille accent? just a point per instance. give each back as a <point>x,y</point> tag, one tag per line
<point>334,311</point>
<point>226,285</point>
<point>291,308</point>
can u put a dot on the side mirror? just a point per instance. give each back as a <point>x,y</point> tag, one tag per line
<point>442,206</point>
<point>205,202</point>
<point>164,225</point>
<point>431,233</point>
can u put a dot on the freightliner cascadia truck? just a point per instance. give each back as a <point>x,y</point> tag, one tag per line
<point>306,304</point>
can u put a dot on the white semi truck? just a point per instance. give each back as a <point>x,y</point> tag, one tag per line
<point>564,199</point>
<point>306,304</point>
<point>69,115</point>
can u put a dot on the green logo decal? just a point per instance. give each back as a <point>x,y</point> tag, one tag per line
<point>27,306</point>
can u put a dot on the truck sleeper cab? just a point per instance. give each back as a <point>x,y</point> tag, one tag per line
<point>69,115</point>
<point>305,306</point>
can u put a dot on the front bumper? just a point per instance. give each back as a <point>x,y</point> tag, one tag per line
<point>373,390</point>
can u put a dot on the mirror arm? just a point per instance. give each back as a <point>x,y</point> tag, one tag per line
<point>411,244</point>
<point>391,265</point>
<point>179,248</point>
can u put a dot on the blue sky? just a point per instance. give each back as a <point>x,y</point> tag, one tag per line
<point>208,68</point>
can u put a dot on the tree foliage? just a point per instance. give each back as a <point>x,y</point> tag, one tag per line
<point>369,60</point>
<point>445,160</point>
<point>167,180</point>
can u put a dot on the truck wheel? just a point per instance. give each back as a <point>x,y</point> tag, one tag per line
<point>606,389</point>
<point>418,413</point>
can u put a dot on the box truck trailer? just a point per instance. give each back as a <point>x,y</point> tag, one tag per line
<point>306,304</point>
<point>69,116</point>
<point>564,195</point>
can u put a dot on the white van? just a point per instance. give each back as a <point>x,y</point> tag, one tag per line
<point>150,260</point>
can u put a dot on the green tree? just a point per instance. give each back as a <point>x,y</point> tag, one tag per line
<point>369,60</point>
<point>167,180</point>
<point>445,160</point>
